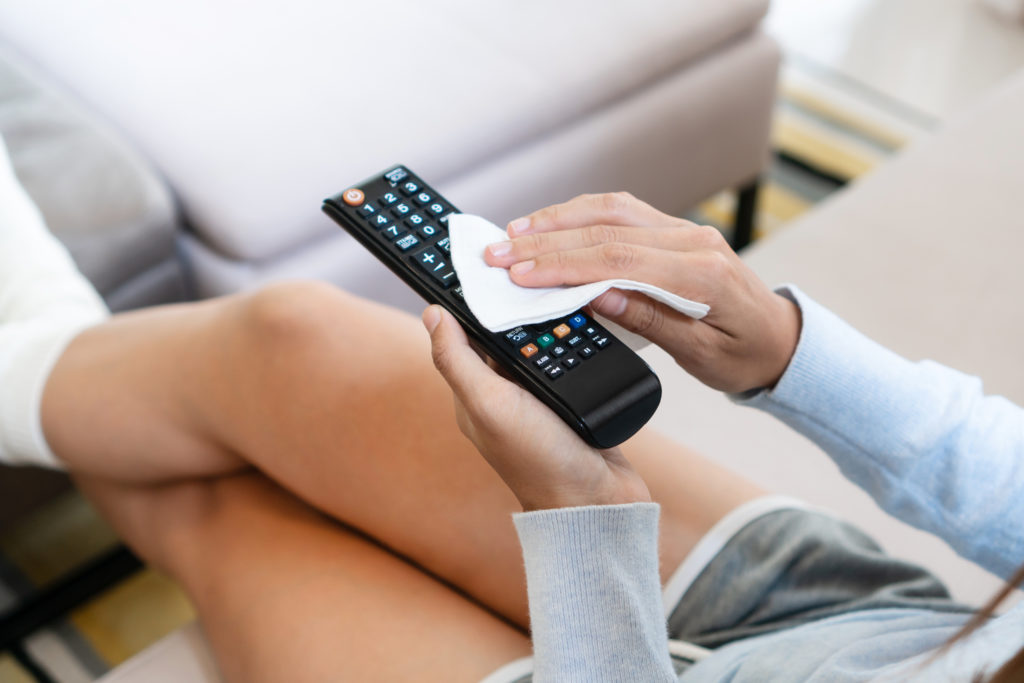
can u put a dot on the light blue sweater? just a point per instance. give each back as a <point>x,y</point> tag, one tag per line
<point>922,439</point>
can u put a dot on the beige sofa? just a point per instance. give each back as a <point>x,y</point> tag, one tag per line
<point>254,116</point>
<point>924,255</point>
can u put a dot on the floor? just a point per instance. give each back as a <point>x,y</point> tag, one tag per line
<point>922,61</point>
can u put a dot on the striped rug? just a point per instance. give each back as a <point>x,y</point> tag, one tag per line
<point>821,141</point>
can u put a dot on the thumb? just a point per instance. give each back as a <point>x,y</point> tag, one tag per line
<point>459,365</point>
<point>642,315</point>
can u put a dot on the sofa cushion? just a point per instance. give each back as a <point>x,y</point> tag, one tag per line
<point>97,196</point>
<point>255,116</point>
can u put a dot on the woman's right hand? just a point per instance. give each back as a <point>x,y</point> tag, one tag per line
<point>745,342</point>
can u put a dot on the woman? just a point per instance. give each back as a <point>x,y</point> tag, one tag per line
<point>290,458</point>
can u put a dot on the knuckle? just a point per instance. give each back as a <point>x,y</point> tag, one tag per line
<point>617,257</point>
<point>648,319</point>
<point>617,202</point>
<point>602,234</point>
<point>709,237</point>
<point>717,265</point>
<point>442,357</point>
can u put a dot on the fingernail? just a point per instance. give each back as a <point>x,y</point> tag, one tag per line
<point>519,225</point>
<point>431,317</point>
<point>523,267</point>
<point>499,248</point>
<point>612,302</point>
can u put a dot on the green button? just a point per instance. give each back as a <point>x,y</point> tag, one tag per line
<point>545,340</point>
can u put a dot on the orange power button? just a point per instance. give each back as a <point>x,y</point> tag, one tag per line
<point>353,197</point>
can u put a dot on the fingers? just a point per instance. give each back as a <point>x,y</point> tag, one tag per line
<point>460,366</point>
<point>617,208</point>
<point>665,269</point>
<point>650,319</point>
<point>504,254</point>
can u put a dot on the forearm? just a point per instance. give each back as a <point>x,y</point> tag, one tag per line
<point>922,439</point>
<point>595,594</point>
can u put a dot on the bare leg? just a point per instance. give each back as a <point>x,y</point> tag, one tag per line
<point>284,594</point>
<point>336,399</point>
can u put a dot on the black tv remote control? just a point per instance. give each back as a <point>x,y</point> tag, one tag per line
<point>592,380</point>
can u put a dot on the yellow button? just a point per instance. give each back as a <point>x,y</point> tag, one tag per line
<point>354,197</point>
<point>561,330</point>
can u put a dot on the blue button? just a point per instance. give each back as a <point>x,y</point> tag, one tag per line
<point>577,321</point>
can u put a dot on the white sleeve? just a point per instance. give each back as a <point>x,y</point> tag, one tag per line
<point>44,303</point>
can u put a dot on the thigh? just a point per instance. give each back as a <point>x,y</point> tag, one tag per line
<point>285,594</point>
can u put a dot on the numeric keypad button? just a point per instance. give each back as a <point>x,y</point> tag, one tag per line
<point>423,198</point>
<point>427,231</point>
<point>367,210</point>
<point>389,199</point>
<point>437,208</point>
<point>393,232</point>
<point>401,210</point>
<point>409,188</point>
<point>380,221</point>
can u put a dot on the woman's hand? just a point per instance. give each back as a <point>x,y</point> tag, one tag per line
<point>540,458</point>
<point>745,342</point>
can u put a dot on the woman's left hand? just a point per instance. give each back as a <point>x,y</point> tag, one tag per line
<point>538,456</point>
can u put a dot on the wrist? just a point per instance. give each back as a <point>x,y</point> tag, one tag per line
<point>621,491</point>
<point>780,344</point>
<point>788,336</point>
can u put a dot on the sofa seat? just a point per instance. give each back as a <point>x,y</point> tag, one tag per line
<point>255,116</point>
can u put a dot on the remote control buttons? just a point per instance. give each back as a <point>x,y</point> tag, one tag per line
<point>577,321</point>
<point>445,245</point>
<point>430,260</point>
<point>575,340</point>
<point>388,199</point>
<point>561,330</point>
<point>570,362</point>
<point>516,336</point>
<point>396,175</point>
<point>586,352</point>
<point>353,197</point>
<point>409,188</point>
<point>545,340</point>
<point>407,242</point>
<point>367,210</point>
<point>529,350</point>
<point>427,231</point>
<point>380,221</point>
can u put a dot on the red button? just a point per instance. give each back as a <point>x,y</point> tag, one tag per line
<point>354,197</point>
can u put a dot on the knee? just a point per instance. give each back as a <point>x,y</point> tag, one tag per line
<point>294,318</point>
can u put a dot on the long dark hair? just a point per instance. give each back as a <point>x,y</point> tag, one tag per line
<point>1013,670</point>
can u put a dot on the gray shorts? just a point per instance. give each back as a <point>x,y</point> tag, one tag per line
<point>774,564</point>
